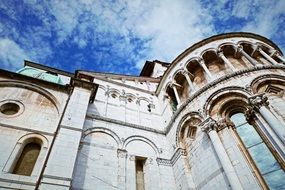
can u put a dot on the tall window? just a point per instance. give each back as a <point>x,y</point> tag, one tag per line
<point>27,160</point>
<point>140,173</point>
<point>265,161</point>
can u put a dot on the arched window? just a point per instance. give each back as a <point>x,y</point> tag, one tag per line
<point>265,161</point>
<point>27,160</point>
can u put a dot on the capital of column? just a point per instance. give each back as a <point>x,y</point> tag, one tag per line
<point>224,123</point>
<point>201,60</point>
<point>173,85</point>
<point>132,157</point>
<point>185,73</point>
<point>220,53</point>
<point>249,114</point>
<point>239,49</point>
<point>122,153</point>
<point>258,100</point>
<point>255,49</point>
<point>209,125</point>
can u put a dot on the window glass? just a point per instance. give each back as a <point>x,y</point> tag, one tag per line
<point>276,179</point>
<point>238,119</point>
<point>265,161</point>
<point>263,158</point>
<point>248,135</point>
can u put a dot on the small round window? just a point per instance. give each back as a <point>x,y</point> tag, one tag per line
<point>11,108</point>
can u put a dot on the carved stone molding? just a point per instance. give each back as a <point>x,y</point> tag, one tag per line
<point>132,157</point>
<point>257,101</point>
<point>165,162</point>
<point>122,153</point>
<point>170,162</point>
<point>224,123</point>
<point>149,161</point>
<point>209,124</point>
<point>239,48</point>
<point>249,114</point>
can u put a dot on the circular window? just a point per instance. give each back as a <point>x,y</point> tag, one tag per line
<point>9,108</point>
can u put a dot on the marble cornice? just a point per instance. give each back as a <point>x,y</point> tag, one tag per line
<point>118,122</point>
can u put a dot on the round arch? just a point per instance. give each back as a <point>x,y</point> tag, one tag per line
<point>105,131</point>
<point>208,50</point>
<point>141,138</point>
<point>33,87</point>
<point>184,119</point>
<point>224,92</point>
<point>222,45</point>
<point>266,79</point>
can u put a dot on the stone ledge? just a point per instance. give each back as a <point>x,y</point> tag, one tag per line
<point>170,162</point>
<point>98,117</point>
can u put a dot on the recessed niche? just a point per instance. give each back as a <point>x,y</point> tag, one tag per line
<point>9,108</point>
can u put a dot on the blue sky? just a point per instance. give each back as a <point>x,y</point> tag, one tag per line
<point>119,36</point>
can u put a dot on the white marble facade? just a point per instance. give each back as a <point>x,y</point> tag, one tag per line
<point>214,118</point>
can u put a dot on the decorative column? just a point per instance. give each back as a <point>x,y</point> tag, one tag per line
<point>277,54</point>
<point>107,94</point>
<point>273,62</point>
<point>122,158</point>
<point>205,68</point>
<point>175,93</point>
<point>139,111</point>
<point>210,127</point>
<point>226,61</point>
<point>248,57</point>
<point>191,85</point>
<point>260,103</point>
<point>123,104</point>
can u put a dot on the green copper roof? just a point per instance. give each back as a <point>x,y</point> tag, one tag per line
<point>39,74</point>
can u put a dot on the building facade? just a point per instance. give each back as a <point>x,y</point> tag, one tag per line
<point>212,119</point>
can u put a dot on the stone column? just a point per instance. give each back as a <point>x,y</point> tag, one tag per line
<point>248,57</point>
<point>277,54</point>
<point>210,127</point>
<point>107,94</point>
<point>226,61</point>
<point>176,93</point>
<point>191,85</point>
<point>260,103</point>
<point>139,111</point>
<point>123,104</point>
<point>122,159</point>
<point>205,68</point>
<point>272,61</point>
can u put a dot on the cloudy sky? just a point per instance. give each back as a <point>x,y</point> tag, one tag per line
<point>119,36</point>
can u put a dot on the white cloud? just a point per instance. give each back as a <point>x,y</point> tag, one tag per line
<point>263,16</point>
<point>166,28</point>
<point>11,54</point>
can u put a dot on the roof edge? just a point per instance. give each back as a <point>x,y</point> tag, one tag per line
<point>210,39</point>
